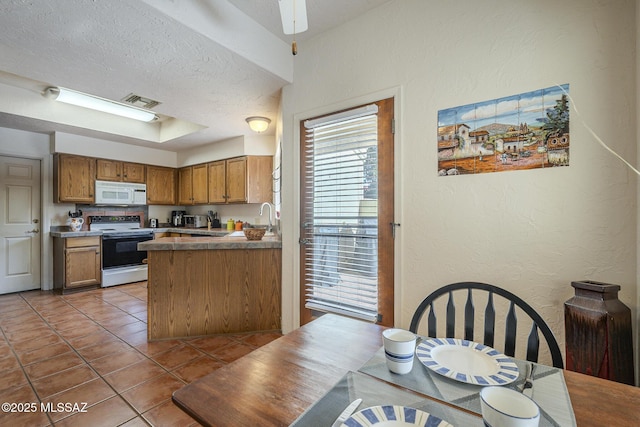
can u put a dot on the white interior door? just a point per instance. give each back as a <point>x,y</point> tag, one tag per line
<point>19,224</point>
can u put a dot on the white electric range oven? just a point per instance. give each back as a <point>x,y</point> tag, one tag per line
<point>122,262</point>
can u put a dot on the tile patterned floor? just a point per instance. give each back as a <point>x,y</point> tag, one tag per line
<point>89,351</point>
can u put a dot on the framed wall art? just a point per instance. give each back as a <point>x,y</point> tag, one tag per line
<point>525,131</point>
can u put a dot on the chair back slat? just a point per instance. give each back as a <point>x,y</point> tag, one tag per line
<point>489,321</point>
<point>511,321</point>
<point>510,329</point>
<point>533,344</point>
<point>431,322</point>
<point>451,317</point>
<point>469,317</point>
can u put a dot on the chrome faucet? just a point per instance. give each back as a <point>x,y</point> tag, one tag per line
<point>270,229</point>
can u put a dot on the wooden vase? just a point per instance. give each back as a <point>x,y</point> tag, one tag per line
<point>598,332</point>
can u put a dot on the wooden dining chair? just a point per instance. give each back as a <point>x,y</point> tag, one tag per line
<point>510,320</point>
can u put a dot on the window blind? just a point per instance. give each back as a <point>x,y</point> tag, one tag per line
<point>340,215</point>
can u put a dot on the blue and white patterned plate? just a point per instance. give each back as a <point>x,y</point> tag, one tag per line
<point>467,361</point>
<point>393,416</point>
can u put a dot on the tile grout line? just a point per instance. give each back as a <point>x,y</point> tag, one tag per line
<point>73,348</point>
<point>10,344</point>
<point>147,357</point>
<point>76,305</point>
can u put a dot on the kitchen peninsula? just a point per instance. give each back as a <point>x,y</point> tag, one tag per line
<point>212,285</point>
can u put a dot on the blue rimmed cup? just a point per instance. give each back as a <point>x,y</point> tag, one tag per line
<point>399,348</point>
<point>503,407</point>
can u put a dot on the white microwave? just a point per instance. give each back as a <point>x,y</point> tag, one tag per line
<point>120,193</point>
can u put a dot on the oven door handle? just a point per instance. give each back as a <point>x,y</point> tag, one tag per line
<point>114,236</point>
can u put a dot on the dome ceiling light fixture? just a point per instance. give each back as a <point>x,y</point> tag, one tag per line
<point>93,102</point>
<point>258,124</point>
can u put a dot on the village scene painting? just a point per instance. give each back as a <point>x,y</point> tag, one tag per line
<point>525,131</point>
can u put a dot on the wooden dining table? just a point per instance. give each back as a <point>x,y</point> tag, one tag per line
<point>275,384</point>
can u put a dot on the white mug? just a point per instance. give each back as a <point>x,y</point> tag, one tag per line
<point>399,347</point>
<point>504,407</point>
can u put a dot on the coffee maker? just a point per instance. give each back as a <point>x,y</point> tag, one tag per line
<point>177,218</point>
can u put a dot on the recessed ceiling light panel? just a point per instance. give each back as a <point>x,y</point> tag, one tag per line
<point>80,99</point>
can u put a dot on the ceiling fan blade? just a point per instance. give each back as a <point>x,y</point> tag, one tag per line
<point>293,11</point>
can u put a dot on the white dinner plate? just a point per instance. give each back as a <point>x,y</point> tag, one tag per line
<point>467,361</point>
<point>393,416</point>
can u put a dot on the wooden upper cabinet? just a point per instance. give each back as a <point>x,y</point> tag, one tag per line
<point>199,184</point>
<point>259,179</point>
<point>74,178</point>
<point>161,185</point>
<point>193,185</point>
<point>113,170</point>
<point>217,182</point>
<point>246,179</point>
<point>237,180</point>
<point>133,172</point>
<point>185,191</point>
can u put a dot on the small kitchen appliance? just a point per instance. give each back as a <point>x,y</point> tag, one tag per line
<point>153,222</point>
<point>195,221</point>
<point>177,218</point>
<point>120,193</point>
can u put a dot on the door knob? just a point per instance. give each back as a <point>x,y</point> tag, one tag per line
<point>34,231</point>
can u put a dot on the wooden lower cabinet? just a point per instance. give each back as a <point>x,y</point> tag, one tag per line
<point>204,292</point>
<point>77,263</point>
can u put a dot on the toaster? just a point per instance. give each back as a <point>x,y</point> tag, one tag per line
<point>195,221</point>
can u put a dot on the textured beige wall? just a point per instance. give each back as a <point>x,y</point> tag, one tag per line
<point>532,232</point>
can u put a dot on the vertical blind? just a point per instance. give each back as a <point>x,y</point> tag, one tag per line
<point>340,214</point>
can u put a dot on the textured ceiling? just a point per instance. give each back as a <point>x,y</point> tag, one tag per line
<point>210,63</point>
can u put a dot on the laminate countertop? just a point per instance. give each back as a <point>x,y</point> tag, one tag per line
<point>208,243</point>
<point>64,232</point>
<point>202,239</point>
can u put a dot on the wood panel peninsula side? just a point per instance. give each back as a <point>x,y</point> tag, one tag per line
<point>212,285</point>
